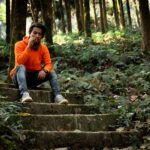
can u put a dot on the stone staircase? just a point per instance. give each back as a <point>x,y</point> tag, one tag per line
<point>77,126</point>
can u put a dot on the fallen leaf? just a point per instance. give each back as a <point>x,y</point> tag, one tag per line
<point>133,98</point>
<point>24,114</point>
<point>120,129</point>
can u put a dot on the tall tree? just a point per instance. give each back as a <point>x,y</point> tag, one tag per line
<point>68,11</point>
<point>105,15</point>
<point>137,13</point>
<point>7,21</point>
<point>82,13</point>
<point>79,21</point>
<point>47,12</point>
<point>121,12</point>
<point>62,17</point>
<point>101,16</point>
<point>18,27</point>
<point>128,12</point>
<point>145,24</point>
<point>35,9</point>
<point>56,16</point>
<point>87,18</point>
<point>95,15</point>
<point>115,9</point>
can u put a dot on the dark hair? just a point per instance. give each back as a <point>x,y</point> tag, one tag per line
<point>38,25</point>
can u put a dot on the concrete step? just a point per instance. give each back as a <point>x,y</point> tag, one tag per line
<point>48,125</point>
<point>68,122</point>
<point>39,95</point>
<point>80,139</point>
<point>52,108</point>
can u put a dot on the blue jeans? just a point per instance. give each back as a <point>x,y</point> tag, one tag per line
<point>23,79</point>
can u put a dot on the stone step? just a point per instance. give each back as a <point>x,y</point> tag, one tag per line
<point>80,139</point>
<point>52,108</point>
<point>68,122</point>
<point>39,95</point>
<point>7,85</point>
<point>48,125</point>
<point>10,85</point>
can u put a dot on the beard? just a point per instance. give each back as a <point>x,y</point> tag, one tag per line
<point>36,45</point>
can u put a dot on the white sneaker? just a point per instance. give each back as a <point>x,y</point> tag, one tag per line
<point>60,99</point>
<point>26,98</point>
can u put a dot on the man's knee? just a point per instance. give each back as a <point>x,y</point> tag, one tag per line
<point>53,74</point>
<point>20,71</point>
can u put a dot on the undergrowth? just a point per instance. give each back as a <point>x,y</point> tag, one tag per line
<point>111,72</point>
<point>9,135</point>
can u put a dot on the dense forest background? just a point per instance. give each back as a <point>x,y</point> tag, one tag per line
<point>100,49</point>
<point>83,17</point>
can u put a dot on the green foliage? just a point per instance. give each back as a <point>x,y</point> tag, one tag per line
<point>9,137</point>
<point>67,38</point>
<point>2,12</point>
<point>7,109</point>
<point>110,72</point>
<point>4,49</point>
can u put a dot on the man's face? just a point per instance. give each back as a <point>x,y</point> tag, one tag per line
<point>36,34</point>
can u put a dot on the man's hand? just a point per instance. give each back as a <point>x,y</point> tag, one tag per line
<point>41,75</point>
<point>31,42</point>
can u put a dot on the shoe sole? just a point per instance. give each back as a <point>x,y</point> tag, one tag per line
<point>65,102</point>
<point>26,101</point>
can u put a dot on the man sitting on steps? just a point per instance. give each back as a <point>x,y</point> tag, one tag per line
<point>33,65</point>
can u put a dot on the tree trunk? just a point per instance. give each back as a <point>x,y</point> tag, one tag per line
<point>62,17</point>
<point>95,15</point>
<point>137,13</point>
<point>87,18</point>
<point>145,24</point>
<point>18,27</point>
<point>79,21</point>
<point>35,9</point>
<point>121,12</point>
<point>47,12</point>
<point>101,16</point>
<point>115,8</point>
<point>82,13</point>
<point>8,21</point>
<point>54,14</point>
<point>68,10</point>
<point>105,15</point>
<point>128,12</point>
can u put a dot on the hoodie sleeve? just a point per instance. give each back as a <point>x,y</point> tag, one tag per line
<point>21,53</point>
<point>47,59</point>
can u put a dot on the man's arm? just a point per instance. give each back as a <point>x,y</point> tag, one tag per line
<point>22,50</point>
<point>47,60</point>
<point>21,53</point>
<point>47,63</point>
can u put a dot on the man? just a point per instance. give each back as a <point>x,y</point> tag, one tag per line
<point>33,65</point>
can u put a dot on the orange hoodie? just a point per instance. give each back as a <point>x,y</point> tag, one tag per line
<point>31,59</point>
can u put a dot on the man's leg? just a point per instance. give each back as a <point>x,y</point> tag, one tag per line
<point>19,79</point>
<point>58,98</point>
<point>54,82</point>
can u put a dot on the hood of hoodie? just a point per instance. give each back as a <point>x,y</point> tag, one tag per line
<point>26,39</point>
